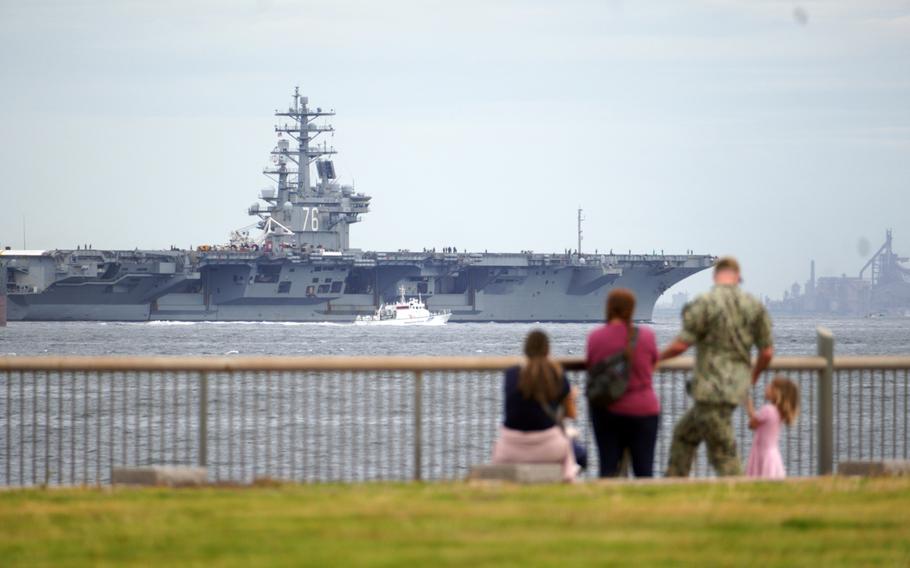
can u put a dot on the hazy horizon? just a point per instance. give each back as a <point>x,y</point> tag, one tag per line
<point>776,131</point>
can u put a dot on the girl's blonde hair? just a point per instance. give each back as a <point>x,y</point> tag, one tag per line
<point>540,377</point>
<point>785,398</point>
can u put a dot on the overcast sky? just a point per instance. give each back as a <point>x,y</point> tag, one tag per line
<point>777,131</point>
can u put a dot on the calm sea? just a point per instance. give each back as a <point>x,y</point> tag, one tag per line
<point>356,439</point>
<point>793,336</point>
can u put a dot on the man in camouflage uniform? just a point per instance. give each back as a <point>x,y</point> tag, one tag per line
<point>724,325</point>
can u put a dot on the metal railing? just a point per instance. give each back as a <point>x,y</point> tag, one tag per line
<point>70,420</point>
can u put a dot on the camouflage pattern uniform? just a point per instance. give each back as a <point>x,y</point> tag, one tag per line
<point>723,325</point>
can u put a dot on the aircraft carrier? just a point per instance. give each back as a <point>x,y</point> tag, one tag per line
<point>295,263</point>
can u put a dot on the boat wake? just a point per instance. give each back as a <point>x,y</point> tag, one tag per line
<point>278,323</point>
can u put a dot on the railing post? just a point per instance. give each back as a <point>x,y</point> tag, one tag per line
<point>418,426</point>
<point>203,418</point>
<point>825,391</point>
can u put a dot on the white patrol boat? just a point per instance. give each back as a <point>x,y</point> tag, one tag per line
<point>405,312</point>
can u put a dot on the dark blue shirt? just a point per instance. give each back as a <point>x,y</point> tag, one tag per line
<point>526,414</point>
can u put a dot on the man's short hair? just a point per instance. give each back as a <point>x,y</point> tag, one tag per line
<point>726,263</point>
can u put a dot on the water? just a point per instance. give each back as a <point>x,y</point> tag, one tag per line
<point>793,336</point>
<point>299,426</point>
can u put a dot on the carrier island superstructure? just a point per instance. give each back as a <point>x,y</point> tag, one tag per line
<point>296,263</point>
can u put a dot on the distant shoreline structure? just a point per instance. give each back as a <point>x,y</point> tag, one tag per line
<point>882,288</point>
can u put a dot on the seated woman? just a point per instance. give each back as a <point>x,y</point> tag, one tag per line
<point>630,423</point>
<point>536,393</point>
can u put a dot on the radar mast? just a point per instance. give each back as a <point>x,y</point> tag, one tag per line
<point>301,216</point>
<point>580,219</point>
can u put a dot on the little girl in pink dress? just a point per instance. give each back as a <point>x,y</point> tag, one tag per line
<point>783,398</point>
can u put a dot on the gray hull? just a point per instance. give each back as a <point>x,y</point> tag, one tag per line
<point>76,312</point>
<point>496,288</point>
<point>475,288</point>
<point>89,285</point>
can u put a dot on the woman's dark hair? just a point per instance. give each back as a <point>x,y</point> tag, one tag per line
<point>621,305</point>
<point>539,377</point>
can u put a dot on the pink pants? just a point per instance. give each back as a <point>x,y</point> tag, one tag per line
<point>541,446</point>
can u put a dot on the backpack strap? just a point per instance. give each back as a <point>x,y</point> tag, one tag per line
<point>731,309</point>
<point>555,416</point>
<point>631,342</point>
<point>558,415</point>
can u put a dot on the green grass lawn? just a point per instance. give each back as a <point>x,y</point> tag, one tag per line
<point>826,522</point>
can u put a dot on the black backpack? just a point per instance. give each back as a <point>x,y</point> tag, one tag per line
<point>609,377</point>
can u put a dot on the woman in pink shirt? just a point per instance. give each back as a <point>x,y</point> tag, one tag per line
<point>630,422</point>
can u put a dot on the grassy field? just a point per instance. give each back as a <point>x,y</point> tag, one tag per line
<point>816,522</point>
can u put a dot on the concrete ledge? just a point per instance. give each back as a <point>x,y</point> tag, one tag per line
<point>884,468</point>
<point>160,476</point>
<point>518,473</point>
